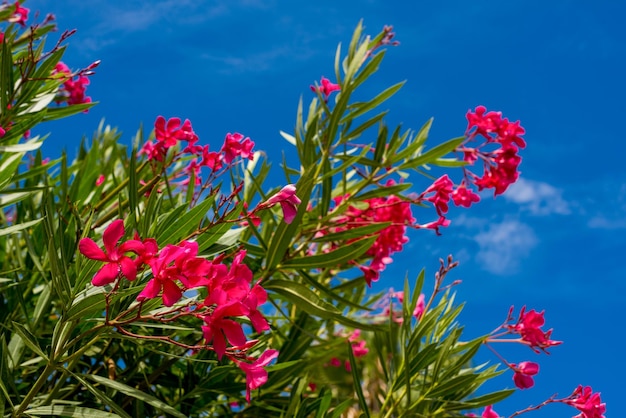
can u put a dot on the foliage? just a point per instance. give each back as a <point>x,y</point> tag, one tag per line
<point>203,281</point>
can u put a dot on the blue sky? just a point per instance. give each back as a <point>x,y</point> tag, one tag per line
<point>555,241</point>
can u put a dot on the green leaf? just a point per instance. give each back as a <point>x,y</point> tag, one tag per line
<point>448,387</point>
<point>334,258</point>
<point>69,411</point>
<point>356,381</point>
<point>137,394</point>
<point>100,395</point>
<point>490,398</point>
<point>29,339</point>
<point>358,232</point>
<point>362,108</point>
<point>433,154</point>
<point>281,239</point>
<point>179,224</point>
<point>303,297</point>
<point>309,301</point>
<point>86,303</point>
<point>29,146</point>
<point>19,227</point>
<point>384,191</point>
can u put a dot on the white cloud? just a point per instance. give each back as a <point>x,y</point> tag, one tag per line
<point>503,245</point>
<point>537,197</point>
<point>602,222</point>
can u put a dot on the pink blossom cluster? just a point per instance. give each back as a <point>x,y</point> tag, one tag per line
<point>500,165</point>
<point>528,327</point>
<point>171,132</point>
<point>391,309</point>
<point>439,194</point>
<point>359,349</point>
<point>19,16</point>
<point>173,269</point>
<point>389,240</point>
<point>588,403</point>
<point>74,88</point>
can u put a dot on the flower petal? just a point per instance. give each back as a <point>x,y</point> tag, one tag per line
<point>107,274</point>
<point>90,249</point>
<point>112,235</point>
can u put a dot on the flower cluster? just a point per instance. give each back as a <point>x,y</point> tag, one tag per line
<point>500,165</point>
<point>359,349</point>
<point>174,269</point>
<point>588,403</point>
<point>74,88</point>
<point>528,327</point>
<point>180,136</point>
<point>389,240</point>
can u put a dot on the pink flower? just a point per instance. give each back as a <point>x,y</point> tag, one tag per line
<point>213,160</point>
<point>420,307</point>
<point>462,196</point>
<point>234,147</point>
<point>389,240</point>
<point>256,375</point>
<point>164,276</point>
<point>588,403</point>
<point>19,15</point>
<point>326,87</point>
<point>100,180</point>
<point>231,295</point>
<point>288,201</point>
<point>2,132</point>
<point>335,362</point>
<point>114,256</point>
<point>523,374</point>
<point>170,132</point>
<point>442,188</point>
<point>528,326</point>
<point>489,412</point>
<point>73,90</point>
<point>442,221</point>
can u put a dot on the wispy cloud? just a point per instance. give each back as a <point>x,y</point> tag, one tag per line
<point>538,198</point>
<point>603,222</point>
<point>503,245</point>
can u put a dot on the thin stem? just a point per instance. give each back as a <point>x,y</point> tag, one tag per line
<point>43,377</point>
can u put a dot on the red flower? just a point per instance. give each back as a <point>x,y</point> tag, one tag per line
<point>256,375</point>
<point>19,15</point>
<point>213,160</point>
<point>326,87</point>
<point>462,196</point>
<point>163,277</point>
<point>489,412</point>
<point>420,307</point>
<point>234,147</point>
<point>588,403</point>
<point>288,201</point>
<point>442,221</point>
<point>442,187</point>
<point>171,132</point>
<point>523,374</point>
<point>114,256</point>
<point>529,326</point>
